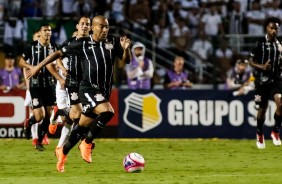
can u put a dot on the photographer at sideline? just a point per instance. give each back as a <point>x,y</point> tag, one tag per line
<point>177,78</point>
<point>240,78</point>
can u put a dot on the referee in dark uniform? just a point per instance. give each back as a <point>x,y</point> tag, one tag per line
<point>265,58</point>
<point>41,85</point>
<point>97,54</point>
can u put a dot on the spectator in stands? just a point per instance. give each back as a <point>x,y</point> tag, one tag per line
<point>211,22</point>
<point>11,76</point>
<point>240,78</point>
<point>82,8</point>
<point>223,59</point>
<point>12,8</point>
<point>194,18</point>
<point>161,10</point>
<point>180,35</point>
<point>66,8</point>
<point>50,8</point>
<point>32,8</point>
<point>116,10</point>
<point>163,37</point>
<point>177,78</point>
<point>203,48</point>
<point>255,19</point>
<point>13,37</point>
<point>140,70</point>
<point>163,33</point>
<point>177,11</point>
<point>237,24</point>
<point>98,7</point>
<point>274,10</point>
<point>140,13</point>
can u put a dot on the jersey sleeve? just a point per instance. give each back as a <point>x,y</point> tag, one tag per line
<point>118,48</point>
<point>72,48</point>
<point>255,53</point>
<point>65,43</point>
<point>27,53</point>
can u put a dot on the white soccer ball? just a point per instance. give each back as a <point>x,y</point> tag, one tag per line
<point>133,162</point>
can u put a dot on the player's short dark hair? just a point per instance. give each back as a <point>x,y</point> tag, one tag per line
<point>273,20</point>
<point>44,24</point>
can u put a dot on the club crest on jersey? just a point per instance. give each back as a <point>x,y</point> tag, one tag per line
<point>99,97</point>
<point>91,47</point>
<point>85,108</point>
<point>257,98</point>
<point>35,102</point>
<point>34,81</point>
<point>142,111</point>
<point>109,46</point>
<point>91,42</point>
<point>74,96</point>
<point>64,49</point>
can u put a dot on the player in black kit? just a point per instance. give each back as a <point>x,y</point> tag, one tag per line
<point>97,54</point>
<point>41,86</point>
<point>265,58</point>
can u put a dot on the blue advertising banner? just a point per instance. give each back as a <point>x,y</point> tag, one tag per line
<point>189,114</point>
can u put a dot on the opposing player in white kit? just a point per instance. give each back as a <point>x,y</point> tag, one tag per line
<point>63,107</point>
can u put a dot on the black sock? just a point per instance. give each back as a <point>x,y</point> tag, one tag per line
<point>74,137</point>
<point>97,126</point>
<point>66,115</point>
<point>43,129</point>
<point>260,123</point>
<point>75,121</point>
<point>277,125</point>
<point>60,112</point>
<point>32,120</point>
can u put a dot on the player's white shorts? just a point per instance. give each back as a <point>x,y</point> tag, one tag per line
<point>61,97</point>
<point>27,100</point>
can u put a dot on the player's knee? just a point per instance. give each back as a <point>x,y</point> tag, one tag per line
<point>105,117</point>
<point>75,114</point>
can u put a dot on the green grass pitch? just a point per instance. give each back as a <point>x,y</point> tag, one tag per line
<point>168,161</point>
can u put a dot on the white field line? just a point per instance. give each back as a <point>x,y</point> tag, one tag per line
<point>186,176</point>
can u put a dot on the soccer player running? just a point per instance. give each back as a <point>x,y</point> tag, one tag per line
<point>265,58</point>
<point>31,131</point>
<point>97,54</point>
<point>41,85</point>
<point>71,69</point>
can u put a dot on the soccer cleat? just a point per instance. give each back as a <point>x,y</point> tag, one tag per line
<point>260,141</point>
<point>39,146</point>
<point>27,129</point>
<point>54,114</point>
<point>86,151</point>
<point>46,140</point>
<point>34,141</point>
<point>52,128</point>
<point>61,159</point>
<point>275,138</point>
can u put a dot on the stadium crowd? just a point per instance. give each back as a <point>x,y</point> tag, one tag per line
<point>205,28</point>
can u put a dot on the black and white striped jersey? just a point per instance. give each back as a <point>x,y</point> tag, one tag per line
<point>97,60</point>
<point>73,66</point>
<point>33,55</point>
<point>263,51</point>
